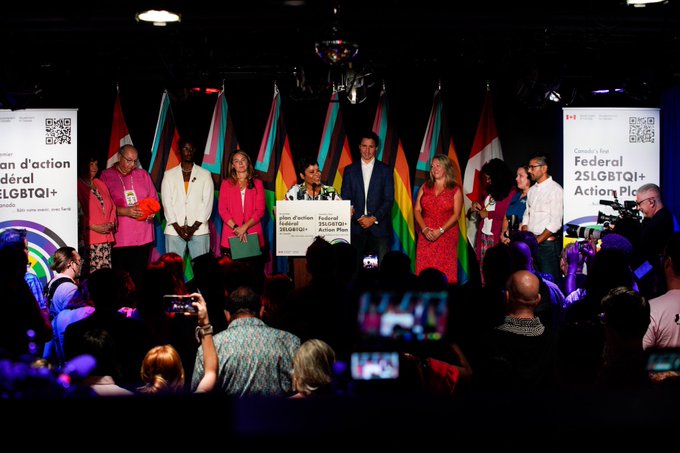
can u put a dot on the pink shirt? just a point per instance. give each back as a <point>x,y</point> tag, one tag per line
<point>130,232</point>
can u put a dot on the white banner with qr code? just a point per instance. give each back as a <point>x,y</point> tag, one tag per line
<point>608,154</point>
<point>38,180</point>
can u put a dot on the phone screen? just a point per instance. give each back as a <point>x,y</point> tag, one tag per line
<point>370,262</point>
<point>175,303</point>
<point>375,365</point>
<point>642,270</point>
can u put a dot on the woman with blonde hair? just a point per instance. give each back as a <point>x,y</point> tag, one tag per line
<point>313,369</point>
<point>437,209</point>
<point>241,205</point>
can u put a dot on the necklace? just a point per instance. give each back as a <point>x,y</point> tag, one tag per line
<point>187,172</point>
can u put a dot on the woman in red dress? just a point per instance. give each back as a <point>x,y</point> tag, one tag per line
<point>437,210</point>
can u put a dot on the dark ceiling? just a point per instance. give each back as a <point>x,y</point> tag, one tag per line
<point>574,46</point>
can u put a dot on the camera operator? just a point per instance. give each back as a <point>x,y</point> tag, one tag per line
<point>657,228</point>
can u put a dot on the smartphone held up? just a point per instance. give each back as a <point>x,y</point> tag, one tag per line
<point>180,303</point>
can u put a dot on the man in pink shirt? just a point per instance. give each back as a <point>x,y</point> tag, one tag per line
<point>128,185</point>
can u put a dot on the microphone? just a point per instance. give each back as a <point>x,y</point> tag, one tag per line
<point>314,186</point>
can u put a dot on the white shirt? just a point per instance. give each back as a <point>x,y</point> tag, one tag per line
<point>544,207</point>
<point>489,205</point>
<point>366,172</point>
<point>664,326</point>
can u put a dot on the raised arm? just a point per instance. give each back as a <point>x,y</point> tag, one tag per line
<point>205,333</point>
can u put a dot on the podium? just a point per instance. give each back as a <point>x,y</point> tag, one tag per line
<point>300,276</point>
<point>299,222</point>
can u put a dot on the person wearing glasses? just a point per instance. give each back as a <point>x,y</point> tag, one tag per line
<point>656,229</point>
<point>187,192</point>
<point>543,215</point>
<point>66,263</point>
<point>128,185</point>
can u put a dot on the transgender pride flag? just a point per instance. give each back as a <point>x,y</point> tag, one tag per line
<point>275,166</point>
<point>334,153</point>
<point>221,142</point>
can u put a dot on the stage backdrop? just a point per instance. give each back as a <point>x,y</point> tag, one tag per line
<point>38,176</point>
<point>607,152</point>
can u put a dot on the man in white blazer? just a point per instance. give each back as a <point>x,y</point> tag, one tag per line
<point>187,193</point>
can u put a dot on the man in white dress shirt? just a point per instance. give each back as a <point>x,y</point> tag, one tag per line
<point>543,215</point>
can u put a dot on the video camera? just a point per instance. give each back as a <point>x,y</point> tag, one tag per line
<point>627,210</point>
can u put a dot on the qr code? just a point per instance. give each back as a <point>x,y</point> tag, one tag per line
<point>57,131</point>
<point>641,129</point>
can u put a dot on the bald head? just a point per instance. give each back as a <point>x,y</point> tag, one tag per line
<point>523,289</point>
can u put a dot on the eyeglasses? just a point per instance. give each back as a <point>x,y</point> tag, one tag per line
<point>128,160</point>
<point>638,203</point>
<point>77,262</point>
<point>534,166</point>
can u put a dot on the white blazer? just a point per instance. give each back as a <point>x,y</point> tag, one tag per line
<point>186,207</point>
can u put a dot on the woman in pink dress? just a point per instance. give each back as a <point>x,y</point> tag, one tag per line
<point>437,210</point>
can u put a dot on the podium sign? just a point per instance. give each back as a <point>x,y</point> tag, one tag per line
<point>299,222</point>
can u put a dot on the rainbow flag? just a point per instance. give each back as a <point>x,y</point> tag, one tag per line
<point>438,140</point>
<point>275,166</point>
<point>334,153</point>
<point>119,132</point>
<point>392,153</point>
<point>221,142</point>
<point>164,155</point>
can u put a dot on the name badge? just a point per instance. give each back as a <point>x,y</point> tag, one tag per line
<point>130,197</point>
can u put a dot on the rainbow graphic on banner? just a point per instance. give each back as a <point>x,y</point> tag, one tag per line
<point>42,243</point>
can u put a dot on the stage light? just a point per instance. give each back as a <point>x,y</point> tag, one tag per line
<point>160,18</point>
<point>643,3</point>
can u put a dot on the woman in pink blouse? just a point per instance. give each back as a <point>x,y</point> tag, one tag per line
<point>97,219</point>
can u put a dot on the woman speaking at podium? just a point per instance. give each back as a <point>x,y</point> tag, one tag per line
<point>311,187</point>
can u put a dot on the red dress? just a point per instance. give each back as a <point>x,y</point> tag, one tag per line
<point>441,254</point>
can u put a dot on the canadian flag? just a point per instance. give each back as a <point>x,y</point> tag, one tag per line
<point>119,133</point>
<point>485,147</point>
